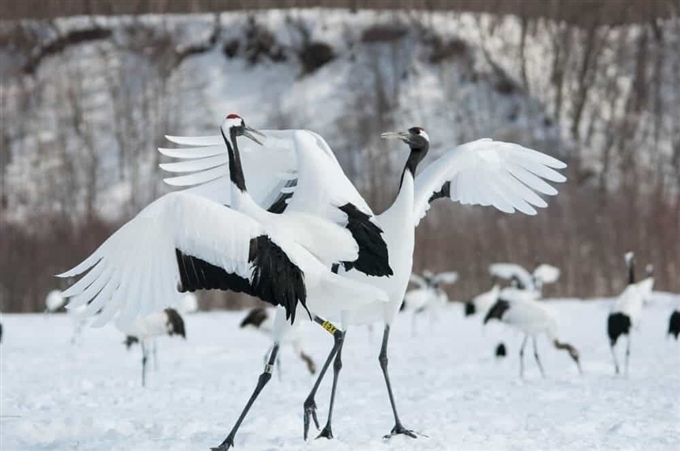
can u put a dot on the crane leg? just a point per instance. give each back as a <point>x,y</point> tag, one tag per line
<point>310,404</point>
<point>327,431</point>
<point>382,358</point>
<point>627,353</point>
<point>521,356</point>
<point>261,382</point>
<point>278,368</point>
<point>144,359</point>
<point>616,362</point>
<point>538,361</point>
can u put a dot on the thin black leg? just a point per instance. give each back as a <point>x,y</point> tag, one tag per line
<point>310,404</point>
<point>144,359</point>
<point>616,362</point>
<point>538,361</point>
<point>278,368</point>
<point>261,382</point>
<point>521,356</point>
<point>327,430</point>
<point>627,353</point>
<point>382,358</point>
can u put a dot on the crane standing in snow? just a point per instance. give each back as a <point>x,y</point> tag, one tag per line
<point>429,296</point>
<point>147,329</point>
<point>533,319</point>
<point>627,309</point>
<point>188,304</point>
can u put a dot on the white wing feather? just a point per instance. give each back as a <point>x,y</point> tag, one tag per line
<point>287,155</point>
<point>547,273</point>
<point>509,270</point>
<point>486,172</point>
<point>322,184</point>
<point>446,277</point>
<point>267,169</point>
<point>134,272</point>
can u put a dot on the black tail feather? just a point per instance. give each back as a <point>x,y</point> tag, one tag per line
<point>497,310</point>
<point>617,324</point>
<point>175,322</point>
<point>674,324</point>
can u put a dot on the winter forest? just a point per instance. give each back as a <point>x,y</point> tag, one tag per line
<point>89,89</point>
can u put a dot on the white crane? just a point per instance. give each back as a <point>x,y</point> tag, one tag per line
<point>262,319</point>
<point>429,296</point>
<point>627,308</point>
<point>533,319</point>
<point>183,240</point>
<point>56,300</point>
<point>483,172</point>
<point>147,329</point>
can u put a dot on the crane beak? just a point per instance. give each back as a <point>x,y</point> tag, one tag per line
<point>255,135</point>
<point>404,136</point>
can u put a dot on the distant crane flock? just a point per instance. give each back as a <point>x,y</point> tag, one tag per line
<point>272,214</point>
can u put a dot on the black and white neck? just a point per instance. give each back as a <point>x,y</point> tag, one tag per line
<point>230,129</point>
<point>419,143</point>
<point>630,262</point>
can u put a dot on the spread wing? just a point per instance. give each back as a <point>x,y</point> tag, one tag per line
<point>490,173</point>
<point>296,171</point>
<point>203,168</point>
<point>546,273</point>
<point>183,242</point>
<point>510,271</point>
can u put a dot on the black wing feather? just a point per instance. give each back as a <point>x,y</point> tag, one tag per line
<point>497,310</point>
<point>373,255</point>
<point>275,279</point>
<point>445,191</point>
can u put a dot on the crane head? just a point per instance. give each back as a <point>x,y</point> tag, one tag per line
<point>234,125</point>
<point>415,137</point>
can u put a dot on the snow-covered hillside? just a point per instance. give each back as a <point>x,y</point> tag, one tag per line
<point>102,107</point>
<point>449,387</point>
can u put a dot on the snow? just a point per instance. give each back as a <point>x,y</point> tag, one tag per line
<point>448,386</point>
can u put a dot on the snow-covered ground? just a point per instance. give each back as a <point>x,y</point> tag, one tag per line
<point>449,387</point>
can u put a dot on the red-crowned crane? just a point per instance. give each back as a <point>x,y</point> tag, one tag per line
<point>533,319</point>
<point>627,309</point>
<point>183,240</point>
<point>145,330</point>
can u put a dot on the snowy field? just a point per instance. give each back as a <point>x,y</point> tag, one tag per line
<point>449,387</point>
